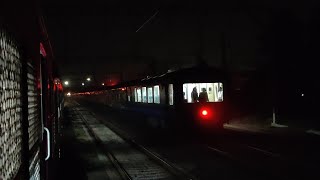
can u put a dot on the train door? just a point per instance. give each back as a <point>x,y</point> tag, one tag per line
<point>44,101</point>
<point>48,120</point>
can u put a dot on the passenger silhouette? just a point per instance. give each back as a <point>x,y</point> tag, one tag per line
<point>194,95</point>
<point>203,96</point>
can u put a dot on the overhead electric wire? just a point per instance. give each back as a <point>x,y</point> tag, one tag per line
<point>147,20</point>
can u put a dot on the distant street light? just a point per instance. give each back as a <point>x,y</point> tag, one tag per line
<point>88,79</point>
<point>66,82</point>
<point>102,84</point>
<point>82,84</point>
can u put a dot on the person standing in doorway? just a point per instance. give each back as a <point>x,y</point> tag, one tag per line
<point>203,96</point>
<point>194,95</point>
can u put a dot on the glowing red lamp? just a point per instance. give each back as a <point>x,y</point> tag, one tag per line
<point>204,112</point>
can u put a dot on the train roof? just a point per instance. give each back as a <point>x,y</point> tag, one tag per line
<point>192,74</point>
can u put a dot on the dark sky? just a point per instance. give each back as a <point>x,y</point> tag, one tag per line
<point>100,36</point>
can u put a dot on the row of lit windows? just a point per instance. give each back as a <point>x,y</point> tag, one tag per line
<point>192,93</point>
<point>151,94</point>
<point>147,95</point>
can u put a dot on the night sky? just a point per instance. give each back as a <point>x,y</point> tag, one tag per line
<point>99,37</point>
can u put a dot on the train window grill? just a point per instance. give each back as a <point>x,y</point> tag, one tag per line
<point>34,168</point>
<point>144,94</point>
<point>156,95</point>
<point>34,127</point>
<point>207,92</point>
<point>10,104</point>
<point>170,91</point>
<point>150,95</point>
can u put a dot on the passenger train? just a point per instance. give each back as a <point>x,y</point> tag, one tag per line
<point>189,97</point>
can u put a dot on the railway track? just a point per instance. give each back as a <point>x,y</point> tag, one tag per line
<point>131,160</point>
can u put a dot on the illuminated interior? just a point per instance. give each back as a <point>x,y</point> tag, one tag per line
<point>170,91</point>
<point>150,95</point>
<point>156,92</point>
<point>213,91</point>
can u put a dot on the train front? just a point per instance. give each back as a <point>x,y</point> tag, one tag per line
<point>203,104</point>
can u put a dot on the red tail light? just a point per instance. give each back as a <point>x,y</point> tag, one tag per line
<point>204,112</point>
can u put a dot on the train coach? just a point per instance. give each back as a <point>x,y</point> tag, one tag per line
<point>189,97</point>
<point>31,100</point>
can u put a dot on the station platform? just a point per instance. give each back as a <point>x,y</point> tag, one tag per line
<point>268,127</point>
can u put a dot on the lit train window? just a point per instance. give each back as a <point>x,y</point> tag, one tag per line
<point>156,95</point>
<point>203,92</point>
<point>150,95</point>
<point>129,94</point>
<point>144,94</point>
<point>138,94</point>
<point>170,91</point>
<point>135,95</point>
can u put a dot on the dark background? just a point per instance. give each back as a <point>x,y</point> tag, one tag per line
<point>104,33</point>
